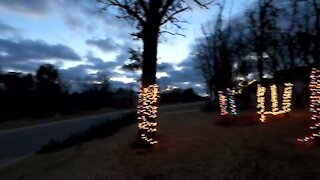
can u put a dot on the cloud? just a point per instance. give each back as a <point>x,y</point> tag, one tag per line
<point>106,45</point>
<point>34,7</point>
<point>187,77</point>
<point>24,50</point>
<point>7,30</point>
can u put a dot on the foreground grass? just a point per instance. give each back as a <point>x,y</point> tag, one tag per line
<point>191,147</point>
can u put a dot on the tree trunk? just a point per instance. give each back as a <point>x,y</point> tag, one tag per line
<point>149,69</point>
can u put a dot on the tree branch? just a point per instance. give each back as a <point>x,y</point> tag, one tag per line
<point>126,8</point>
<point>171,33</point>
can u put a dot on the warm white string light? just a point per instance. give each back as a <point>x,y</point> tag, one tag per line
<point>242,87</point>
<point>286,102</point>
<point>287,97</point>
<point>274,98</point>
<point>147,110</point>
<point>260,102</point>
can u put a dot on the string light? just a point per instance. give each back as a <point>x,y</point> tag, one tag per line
<point>242,87</point>
<point>314,88</point>
<point>260,102</point>
<point>147,112</point>
<point>287,96</point>
<point>232,104</point>
<point>223,103</point>
<point>286,102</point>
<point>274,98</point>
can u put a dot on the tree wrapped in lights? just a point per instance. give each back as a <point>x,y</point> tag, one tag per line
<point>147,113</point>
<point>286,101</point>
<point>151,18</point>
<point>260,102</point>
<point>227,102</point>
<point>314,87</point>
<point>223,103</point>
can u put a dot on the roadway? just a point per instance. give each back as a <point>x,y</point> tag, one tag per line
<point>15,144</point>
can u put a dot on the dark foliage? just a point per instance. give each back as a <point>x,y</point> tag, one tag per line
<point>42,96</point>
<point>179,96</point>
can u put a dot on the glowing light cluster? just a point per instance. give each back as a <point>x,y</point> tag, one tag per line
<point>147,112</point>
<point>274,98</point>
<point>286,102</point>
<point>242,87</point>
<point>232,104</point>
<point>287,96</point>
<point>227,102</point>
<point>223,103</point>
<point>314,87</point>
<point>260,102</point>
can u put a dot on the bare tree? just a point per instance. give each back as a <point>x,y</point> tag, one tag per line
<point>260,24</point>
<point>215,54</point>
<point>151,18</point>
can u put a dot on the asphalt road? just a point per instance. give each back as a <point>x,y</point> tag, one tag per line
<point>18,143</point>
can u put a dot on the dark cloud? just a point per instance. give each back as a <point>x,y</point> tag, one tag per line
<point>187,77</point>
<point>6,29</point>
<point>165,67</point>
<point>27,6</point>
<point>106,45</point>
<point>25,50</point>
<point>102,66</point>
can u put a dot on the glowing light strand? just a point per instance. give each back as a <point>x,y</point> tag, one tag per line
<point>242,87</point>
<point>232,104</point>
<point>287,96</point>
<point>147,112</point>
<point>286,102</point>
<point>260,102</point>
<point>274,98</point>
<point>314,88</point>
<point>223,103</point>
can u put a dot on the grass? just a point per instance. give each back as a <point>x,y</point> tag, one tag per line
<point>192,146</point>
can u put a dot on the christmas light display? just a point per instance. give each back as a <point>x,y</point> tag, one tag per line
<point>147,112</point>
<point>242,87</point>
<point>287,96</point>
<point>232,104</point>
<point>223,103</point>
<point>286,102</point>
<point>260,102</point>
<point>314,87</point>
<point>227,102</point>
<point>274,98</point>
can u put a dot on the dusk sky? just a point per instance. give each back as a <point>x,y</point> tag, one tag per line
<point>79,40</point>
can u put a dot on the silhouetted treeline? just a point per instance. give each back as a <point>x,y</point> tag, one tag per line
<point>44,95</point>
<point>270,40</point>
<point>179,96</point>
